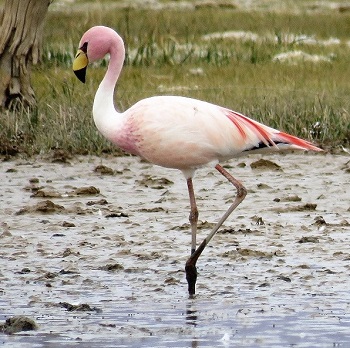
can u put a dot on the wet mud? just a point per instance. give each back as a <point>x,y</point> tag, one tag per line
<point>93,250</point>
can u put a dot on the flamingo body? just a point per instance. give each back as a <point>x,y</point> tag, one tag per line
<point>173,131</point>
<point>184,133</point>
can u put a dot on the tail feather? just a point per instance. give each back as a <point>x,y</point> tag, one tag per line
<point>268,138</point>
<point>296,142</point>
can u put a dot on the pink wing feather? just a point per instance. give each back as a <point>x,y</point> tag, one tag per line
<point>268,136</point>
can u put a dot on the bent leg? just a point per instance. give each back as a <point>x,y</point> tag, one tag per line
<point>191,271</point>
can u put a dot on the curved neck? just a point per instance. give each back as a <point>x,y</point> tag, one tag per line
<point>103,108</point>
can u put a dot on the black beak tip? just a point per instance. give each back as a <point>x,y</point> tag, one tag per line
<point>80,74</point>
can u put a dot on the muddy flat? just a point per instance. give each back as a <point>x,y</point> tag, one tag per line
<point>93,249</point>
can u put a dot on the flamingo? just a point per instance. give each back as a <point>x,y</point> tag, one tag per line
<point>176,132</point>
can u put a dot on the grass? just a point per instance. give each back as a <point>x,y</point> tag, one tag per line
<point>166,54</point>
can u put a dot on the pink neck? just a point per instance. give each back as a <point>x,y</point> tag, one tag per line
<point>104,111</point>
<point>117,56</point>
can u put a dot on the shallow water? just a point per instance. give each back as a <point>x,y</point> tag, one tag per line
<point>122,251</point>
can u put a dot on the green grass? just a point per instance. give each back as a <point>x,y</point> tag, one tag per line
<point>164,47</point>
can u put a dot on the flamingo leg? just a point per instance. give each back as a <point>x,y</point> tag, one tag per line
<point>193,218</point>
<point>190,268</point>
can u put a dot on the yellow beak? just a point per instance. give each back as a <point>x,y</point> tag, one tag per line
<point>80,64</point>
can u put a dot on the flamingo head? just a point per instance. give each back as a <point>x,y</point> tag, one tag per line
<point>94,45</point>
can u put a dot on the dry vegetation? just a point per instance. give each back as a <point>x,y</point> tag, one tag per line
<point>167,54</point>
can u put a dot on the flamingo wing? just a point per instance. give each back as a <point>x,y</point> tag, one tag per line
<point>179,132</point>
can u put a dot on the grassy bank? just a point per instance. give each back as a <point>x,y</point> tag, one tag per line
<point>169,52</point>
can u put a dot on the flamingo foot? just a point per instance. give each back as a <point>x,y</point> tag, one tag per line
<point>191,270</point>
<point>191,276</point>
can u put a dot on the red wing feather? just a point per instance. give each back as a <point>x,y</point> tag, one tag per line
<point>268,136</point>
<point>239,120</point>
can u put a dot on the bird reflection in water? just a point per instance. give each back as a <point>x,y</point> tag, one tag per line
<point>191,319</point>
<point>191,315</point>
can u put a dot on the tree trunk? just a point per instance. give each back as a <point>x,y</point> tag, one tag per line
<point>21,28</point>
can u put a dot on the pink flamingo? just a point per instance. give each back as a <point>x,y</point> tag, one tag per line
<point>175,132</point>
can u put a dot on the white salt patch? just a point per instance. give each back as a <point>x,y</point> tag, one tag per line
<point>196,71</point>
<point>330,41</point>
<point>307,40</point>
<point>234,34</point>
<point>285,38</point>
<point>294,57</point>
<point>167,89</point>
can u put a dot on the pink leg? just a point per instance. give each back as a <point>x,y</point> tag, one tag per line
<point>191,271</point>
<point>193,214</point>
